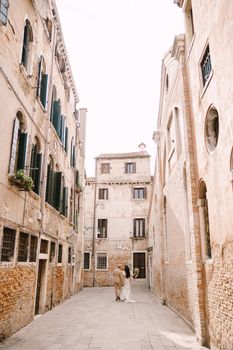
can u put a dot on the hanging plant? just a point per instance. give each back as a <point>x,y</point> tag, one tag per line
<point>21,180</point>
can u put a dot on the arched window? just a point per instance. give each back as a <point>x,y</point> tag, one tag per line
<point>211,129</point>
<point>204,221</point>
<point>35,166</point>
<point>27,43</point>
<point>42,82</point>
<point>18,145</point>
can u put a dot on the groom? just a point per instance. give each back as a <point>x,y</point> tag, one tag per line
<point>118,281</point>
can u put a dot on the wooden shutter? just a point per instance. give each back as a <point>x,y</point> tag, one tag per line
<point>57,116</point>
<point>62,129</point>
<point>66,139</point>
<point>14,146</point>
<point>134,227</point>
<point>43,90</point>
<point>39,78</point>
<point>145,192</point>
<point>143,227</point>
<point>65,201</point>
<point>36,179</point>
<point>134,167</point>
<point>49,187</point>
<point>74,156</point>
<point>56,195</point>
<point>22,150</point>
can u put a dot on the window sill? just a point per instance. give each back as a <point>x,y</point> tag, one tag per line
<point>206,84</point>
<point>139,238</point>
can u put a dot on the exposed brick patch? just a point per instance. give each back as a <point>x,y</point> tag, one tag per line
<point>17,290</point>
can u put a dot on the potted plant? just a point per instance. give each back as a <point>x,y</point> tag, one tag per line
<point>21,180</point>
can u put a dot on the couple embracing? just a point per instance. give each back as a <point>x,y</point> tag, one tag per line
<point>122,284</point>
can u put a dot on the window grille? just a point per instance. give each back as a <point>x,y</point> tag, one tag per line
<point>33,249</point>
<point>86,261</point>
<point>23,247</point>
<point>101,261</point>
<point>69,255</point>
<point>4,5</point>
<point>8,244</point>
<point>206,67</point>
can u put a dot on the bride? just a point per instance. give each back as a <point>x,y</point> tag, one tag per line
<point>126,290</point>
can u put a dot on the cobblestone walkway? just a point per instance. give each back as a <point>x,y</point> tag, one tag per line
<point>93,320</point>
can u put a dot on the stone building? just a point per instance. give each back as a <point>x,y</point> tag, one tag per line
<point>116,206</point>
<point>190,215</point>
<point>42,142</point>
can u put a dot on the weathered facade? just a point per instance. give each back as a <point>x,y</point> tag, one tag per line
<point>42,142</point>
<point>190,216</point>
<point>116,207</point>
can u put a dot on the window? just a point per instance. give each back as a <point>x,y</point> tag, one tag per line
<point>130,168</point>
<point>42,82</point>
<point>4,5</point>
<point>86,261</point>
<point>69,255</point>
<point>205,225</point>
<point>18,145</point>
<point>44,246</point>
<point>212,129</point>
<point>171,142</point>
<point>49,27</point>
<point>52,252</point>
<point>102,228</point>
<point>27,43</point>
<point>101,261</point>
<point>139,192</point>
<point>72,153</point>
<point>23,247</point>
<point>206,67</point>
<point>105,168</point>
<point>33,249</point>
<point>59,259</point>
<point>35,166</point>
<point>8,244</point>
<point>139,227</point>
<point>103,193</point>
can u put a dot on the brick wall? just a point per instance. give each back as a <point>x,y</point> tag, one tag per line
<point>220,298</point>
<point>59,283</point>
<point>17,290</point>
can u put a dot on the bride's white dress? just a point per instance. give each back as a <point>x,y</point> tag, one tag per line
<point>126,291</point>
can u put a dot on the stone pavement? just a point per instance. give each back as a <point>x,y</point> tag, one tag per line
<point>93,320</point>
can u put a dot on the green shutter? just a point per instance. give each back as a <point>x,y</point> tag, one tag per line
<point>57,116</point>
<point>39,79</point>
<point>62,129</point>
<point>56,194</point>
<point>36,179</point>
<point>65,201</point>
<point>43,90</point>
<point>22,150</point>
<point>66,139</point>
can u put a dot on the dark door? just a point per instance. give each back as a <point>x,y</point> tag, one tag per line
<point>39,284</point>
<point>139,261</point>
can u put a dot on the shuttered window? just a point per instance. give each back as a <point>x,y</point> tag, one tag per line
<point>139,227</point>
<point>59,259</point>
<point>105,168</point>
<point>18,148</point>
<point>35,167</point>
<point>130,168</point>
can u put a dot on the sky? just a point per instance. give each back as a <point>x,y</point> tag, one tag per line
<point>115,48</point>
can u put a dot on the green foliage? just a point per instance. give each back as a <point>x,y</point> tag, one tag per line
<point>21,180</point>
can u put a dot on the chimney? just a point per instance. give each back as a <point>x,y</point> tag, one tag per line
<point>142,147</point>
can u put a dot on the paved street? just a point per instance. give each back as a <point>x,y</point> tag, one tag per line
<point>93,320</point>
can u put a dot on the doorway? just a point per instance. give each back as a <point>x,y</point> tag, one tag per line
<point>139,261</point>
<point>40,288</point>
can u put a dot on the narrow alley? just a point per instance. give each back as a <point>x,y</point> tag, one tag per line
<point>92,319</point>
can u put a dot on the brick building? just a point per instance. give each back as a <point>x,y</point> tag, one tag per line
<point>190,216</point>
<point>42,142</point>
<point>116,206</point>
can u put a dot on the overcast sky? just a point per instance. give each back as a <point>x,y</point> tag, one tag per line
<point>115,48</point>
